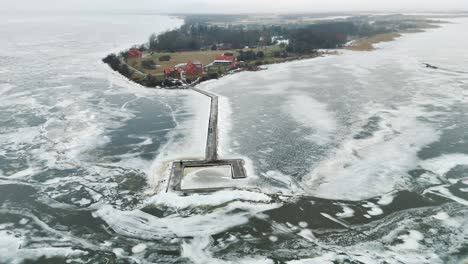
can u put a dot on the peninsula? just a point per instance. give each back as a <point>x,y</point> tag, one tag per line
<point>211,46</point>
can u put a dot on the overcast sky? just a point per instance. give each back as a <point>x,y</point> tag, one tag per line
<point>236,6</point>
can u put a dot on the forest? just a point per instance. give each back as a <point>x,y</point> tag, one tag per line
<point>194,36</point>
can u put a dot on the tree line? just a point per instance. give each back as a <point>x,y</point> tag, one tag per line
<point>197,36</point>
<point>302,39</point>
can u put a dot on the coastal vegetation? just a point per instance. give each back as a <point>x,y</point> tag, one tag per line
<point>202,39</point>
<point>367,43</point>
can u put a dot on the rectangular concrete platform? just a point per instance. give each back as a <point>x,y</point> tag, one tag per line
<point>210,169</point>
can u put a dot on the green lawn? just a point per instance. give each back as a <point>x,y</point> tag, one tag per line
<point>206,57</point>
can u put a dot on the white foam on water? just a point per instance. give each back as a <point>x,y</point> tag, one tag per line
<point>327,258</point>
<point>174,200</point>
<point>12,249</point>
<point>64,236</point>
<point>366,168</point>
<point>292,186</point>
<point>141,225</point>
<point>312,114</point>
<point>197,251</point>
<point>72,129</point>
<point>78,117</point>
<point>444,192</point>
<point>444,163</point>
<point>429,178</point>
<point>395,256</point>
<point>18,138</point>
<point>24,173</point>
<point>410,249</point>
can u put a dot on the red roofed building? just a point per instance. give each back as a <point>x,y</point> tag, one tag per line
<point>134,53</point>
<point>167,72</point>
<point>194,68</point>
<point>225,59</point>
<point>175,73</point>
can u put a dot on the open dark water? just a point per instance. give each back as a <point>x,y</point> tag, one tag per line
<point>357,158</point>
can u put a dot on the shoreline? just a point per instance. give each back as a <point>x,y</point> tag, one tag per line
<point>198,81</point>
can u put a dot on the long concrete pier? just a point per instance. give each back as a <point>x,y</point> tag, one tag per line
<point>211,151</point>
<point>211,154</point>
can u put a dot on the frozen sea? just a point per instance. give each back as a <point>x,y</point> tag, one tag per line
<point>356,158</point>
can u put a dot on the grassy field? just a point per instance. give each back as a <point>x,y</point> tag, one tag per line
<point>367,44</point>
<point>206,57</point>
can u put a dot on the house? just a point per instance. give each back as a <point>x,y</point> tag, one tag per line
<point>224,60</point>
<point>134,53</point>
<point>194,68</point>
<point>174,73</point>
<point>236,65</point>
<point>167,72</point>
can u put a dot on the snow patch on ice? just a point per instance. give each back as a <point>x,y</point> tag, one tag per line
<point>307,235</point>
<point>273,238</point>
<point>386,199</point>
<point>347,212</point>
<point>312,114</point>
<point>368,167</point>
<point>374,209</point>
<point>139,248</point>
<point>446,219</point>
<point>410,241</point>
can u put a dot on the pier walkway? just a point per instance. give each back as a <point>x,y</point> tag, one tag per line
<point>237,170</point>
<point>212,138</point>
